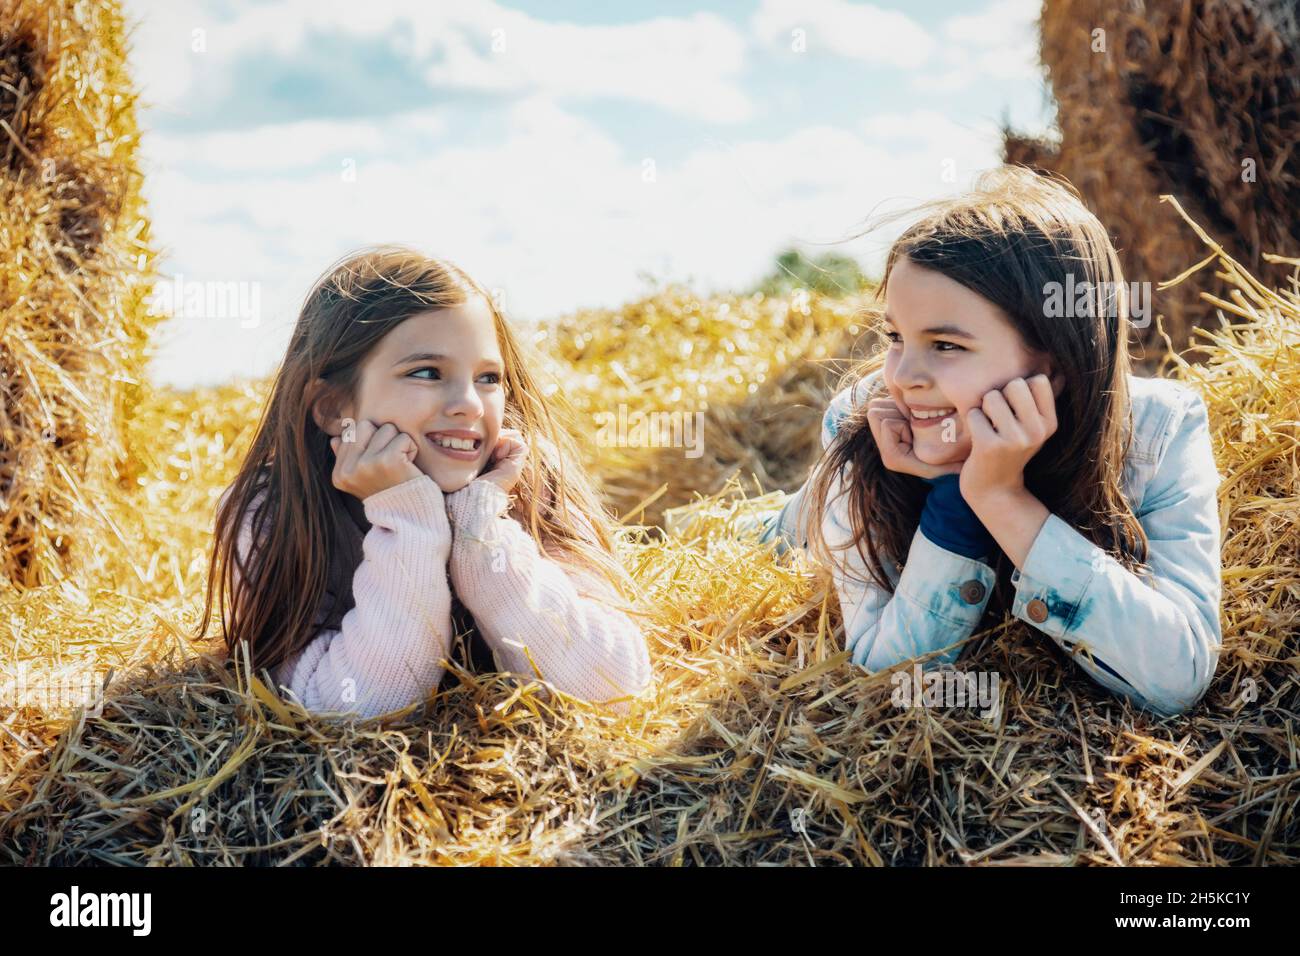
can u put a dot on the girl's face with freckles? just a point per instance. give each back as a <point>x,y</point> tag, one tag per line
<point>438,377</point>
<point>948,347</point>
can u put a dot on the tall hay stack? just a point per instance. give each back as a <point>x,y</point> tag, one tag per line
<point>74,279</point>
<point>1189,98</point>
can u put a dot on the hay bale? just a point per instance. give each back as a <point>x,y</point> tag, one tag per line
<point>1233,99</point>
<point>1183,95</point>
<point>74,280</point>
<point>762,745</point>
<point>757,371</point>
<point>1038,153</point>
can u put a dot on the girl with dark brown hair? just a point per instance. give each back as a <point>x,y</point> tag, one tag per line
<point>1000,455</point>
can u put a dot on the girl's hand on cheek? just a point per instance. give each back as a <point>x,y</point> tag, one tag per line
<point>893,433</point>
<point>1006,432</point>
<point>506,463</point>
<point>378,458</point>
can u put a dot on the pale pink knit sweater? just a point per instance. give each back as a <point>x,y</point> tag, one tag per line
<point>391,648</point>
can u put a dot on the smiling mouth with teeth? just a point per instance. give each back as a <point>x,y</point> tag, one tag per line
<point>938,414</point>
<point>461,444</point>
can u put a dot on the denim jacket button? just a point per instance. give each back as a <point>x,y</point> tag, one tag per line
<point>1037,611</point>
<point>972,592</point>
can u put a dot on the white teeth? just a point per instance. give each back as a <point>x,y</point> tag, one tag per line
<point>464,444</point>
<point>938,414</point>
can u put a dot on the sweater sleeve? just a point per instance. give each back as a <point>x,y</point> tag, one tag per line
<point>532,610</point>
<point>390,649</point>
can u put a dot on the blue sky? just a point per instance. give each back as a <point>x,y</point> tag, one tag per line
<point>560,151</point>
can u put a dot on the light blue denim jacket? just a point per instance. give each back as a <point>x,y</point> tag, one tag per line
<point>1156,646</point>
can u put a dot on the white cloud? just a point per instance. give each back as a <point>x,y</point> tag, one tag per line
<point>1001,42</point>
<point>553,211</point>
<point>689,65</point>
<point>857,30</point>
<point>283,146</point>
<point>162,61</point>
<point>556,215</point>
<point>932,135</point>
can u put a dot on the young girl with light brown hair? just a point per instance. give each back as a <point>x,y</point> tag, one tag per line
<point>407,477</point>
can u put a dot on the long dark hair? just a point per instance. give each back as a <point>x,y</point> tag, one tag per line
<point>1006,240</point>
<point>307,533</point>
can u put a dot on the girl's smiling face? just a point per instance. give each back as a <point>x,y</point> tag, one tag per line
<point>948,347</point>
<point>438,377</point>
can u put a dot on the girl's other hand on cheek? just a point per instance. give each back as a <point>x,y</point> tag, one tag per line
<point>379,458</point>
<point>893,434</point>
<point>1006,431</point>
<point>507,461</point>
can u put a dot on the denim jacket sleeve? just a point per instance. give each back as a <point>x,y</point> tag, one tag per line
<point>789,527</point>
<point>937,602</point>
<point>938,598</point>
<point>1157,645</point>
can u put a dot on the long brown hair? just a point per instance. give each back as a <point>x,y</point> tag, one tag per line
<point>1006,240</point>
<point>308,536</point>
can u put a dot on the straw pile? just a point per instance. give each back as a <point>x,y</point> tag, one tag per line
<point>761,744</point>
<point>1196,98</point>
<point>73,323</point>
<point>755,369</point>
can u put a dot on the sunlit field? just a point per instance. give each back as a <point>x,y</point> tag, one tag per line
<point>761,745</point>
